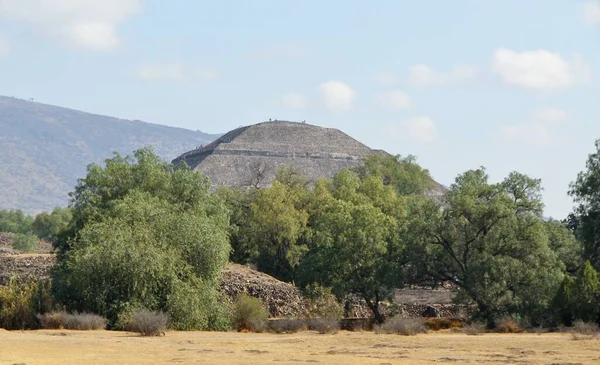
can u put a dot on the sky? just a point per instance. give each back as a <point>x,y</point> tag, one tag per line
<point>511,85</point>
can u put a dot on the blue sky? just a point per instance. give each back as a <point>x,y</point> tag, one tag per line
<point>509,85</point>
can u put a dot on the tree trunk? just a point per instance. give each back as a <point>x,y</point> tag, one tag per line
<point>374,307</point>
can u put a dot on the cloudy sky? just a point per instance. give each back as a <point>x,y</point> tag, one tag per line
<point>505,84</point>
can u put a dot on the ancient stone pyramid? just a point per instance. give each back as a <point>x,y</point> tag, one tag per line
<point>252,155</point>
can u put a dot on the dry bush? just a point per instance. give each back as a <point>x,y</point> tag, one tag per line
<point>474,329</point>
<point>583,331</point>
<point>52,320</point>
<point>436,324</point>
<point>148,323</point>
<point>403,326</point>
<point>250,314</point>
<point>84,322</point>
<point>324,325</point>
<point>287,325</point>
<point>508,325</point>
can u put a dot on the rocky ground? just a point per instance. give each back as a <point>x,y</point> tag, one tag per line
<point>282,299</point>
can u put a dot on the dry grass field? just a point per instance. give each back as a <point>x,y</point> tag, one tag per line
<point>106,347</point>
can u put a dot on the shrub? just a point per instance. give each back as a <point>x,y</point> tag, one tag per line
<point>84,322</point>
<point>250,313</point>
<point>148,323</point>
<point>508,325</point>
<point>582,330</point>
<point>26,242</point>
<point>324,325</point>
<point>585,328</point>
<point>321,303</point>
<point>403,326</point>
<point>18,304</point>
<point>474,329</point>
<point>197,305</point>
<point>436,324</point>
<point>76,321</point>
<point>52,320</point>
<point>287,325</point>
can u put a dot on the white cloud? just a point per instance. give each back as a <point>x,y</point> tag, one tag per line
<point>337,96</point>
<point>539,70</point>
<point>4,47</point>
<point>537,130</point>
<point>174,72</point>
<point>395,99</point>
<point>89,24</point>
<point>591,12</point>
<point>424,75</point>
<point>417,129</point>
<point>294,100</point>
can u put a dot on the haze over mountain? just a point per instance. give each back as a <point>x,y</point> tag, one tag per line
<point>44,149</point>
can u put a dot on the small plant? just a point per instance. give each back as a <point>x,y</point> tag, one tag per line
<point>52,320</point>
<point>148,323</point>
<point>18,305</point>
<point>583,330</point>
<point>508,325</point>
<point>26,242</point>
<point>403,326</point>
<point>250,314</point>
<point>324,325</point>
<point>436,324</point>
<point>84,322</point>
<point>321,303</point>
<point>474,329</point>
<point>287,325</point>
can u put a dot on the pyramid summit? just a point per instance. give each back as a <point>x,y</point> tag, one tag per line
<point>252,155</point>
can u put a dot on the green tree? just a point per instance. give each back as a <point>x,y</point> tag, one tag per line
<point>403,173</point>
<point>274,230</point>
<point>586,192</point>
<point>146,234</point>
<point>489,241</point>
<point>48,226</point>
<point>564,244</point>
<point>15,221</point>
<point>578,298</point>
<point>354,239</point>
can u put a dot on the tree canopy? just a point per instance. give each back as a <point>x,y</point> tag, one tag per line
<point>143,231</point>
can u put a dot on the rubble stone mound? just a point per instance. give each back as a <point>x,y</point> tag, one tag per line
<point>281,299</point>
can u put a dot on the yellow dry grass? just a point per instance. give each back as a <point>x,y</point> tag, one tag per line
<point>106,347</point>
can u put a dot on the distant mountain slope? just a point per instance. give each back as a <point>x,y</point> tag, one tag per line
<point>44,149</point>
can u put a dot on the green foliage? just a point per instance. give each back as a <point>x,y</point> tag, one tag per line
<point>490,241</point>
<point>579,298</point>
<point>272,235</point>
<point>404,174</point>
<point>26,242</point>
<point>20,301</point>
<point>353,238</point>
<point>586,194</point>
<point>198,305</point>
<point>145,234</point>
<point>15,221</point>
<point>48,226</point>
<point>249,313</point>
<point>321,303</point>
<point>564,244</point>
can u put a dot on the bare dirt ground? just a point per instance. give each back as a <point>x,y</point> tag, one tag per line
<point>106,347</point>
